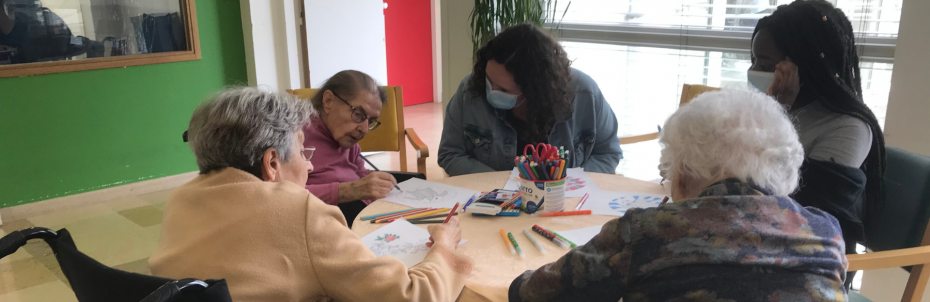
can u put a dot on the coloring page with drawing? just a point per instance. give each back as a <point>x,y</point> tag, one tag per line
<point>400,239</point>
<point>616,203</point>
<point>419,193</point>
<point>577,185</point>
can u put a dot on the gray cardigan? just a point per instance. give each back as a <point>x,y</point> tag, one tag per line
<point>478,138</point>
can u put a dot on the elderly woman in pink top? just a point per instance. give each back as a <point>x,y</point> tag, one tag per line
<point>348,104</point>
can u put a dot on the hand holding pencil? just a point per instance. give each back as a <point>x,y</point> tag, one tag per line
<point>449,233</point>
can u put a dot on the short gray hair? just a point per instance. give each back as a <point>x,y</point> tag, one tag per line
<point>732,133</point>
<point>234,127</point>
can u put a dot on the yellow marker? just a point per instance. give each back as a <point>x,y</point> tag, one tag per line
<point>507,242</point>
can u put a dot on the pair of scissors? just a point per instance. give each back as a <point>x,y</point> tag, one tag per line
<point>541,151</point>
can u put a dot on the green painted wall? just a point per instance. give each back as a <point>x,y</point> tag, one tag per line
<point>68,133</point>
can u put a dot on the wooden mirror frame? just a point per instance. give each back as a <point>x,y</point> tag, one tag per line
<point>193,39</point>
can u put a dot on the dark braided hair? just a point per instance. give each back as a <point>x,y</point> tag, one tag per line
<point>542,69</point>
<point>819,40</point>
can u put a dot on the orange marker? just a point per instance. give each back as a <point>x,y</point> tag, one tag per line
<point>507,242</point>
<point>567,213</point>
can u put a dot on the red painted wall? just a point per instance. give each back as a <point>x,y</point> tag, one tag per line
<point>409,40</point>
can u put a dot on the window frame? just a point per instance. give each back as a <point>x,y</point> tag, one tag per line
<point>870,48</point>
<point>193,39</point>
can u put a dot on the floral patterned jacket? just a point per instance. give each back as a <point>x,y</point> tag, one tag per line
<point>733,242</point>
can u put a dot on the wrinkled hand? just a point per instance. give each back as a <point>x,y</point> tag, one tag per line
<point>374,186</point>
<point>447,233</point>
<point>787,85</point>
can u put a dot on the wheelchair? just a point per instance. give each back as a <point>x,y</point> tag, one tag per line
<point>93,281</point>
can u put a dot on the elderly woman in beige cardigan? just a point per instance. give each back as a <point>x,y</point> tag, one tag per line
<point>248,218</point>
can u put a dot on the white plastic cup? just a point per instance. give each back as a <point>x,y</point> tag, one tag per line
<point>542,196</point>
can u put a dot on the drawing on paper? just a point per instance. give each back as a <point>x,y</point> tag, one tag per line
<point>397,249</point>
<point>427,195</point>
<point>623,203</point>
<point>574,183</point>
<point>387,238</point>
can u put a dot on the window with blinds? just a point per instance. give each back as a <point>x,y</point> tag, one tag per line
<point>640,52</point>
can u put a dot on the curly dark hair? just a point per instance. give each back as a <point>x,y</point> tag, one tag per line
<point>819,39</point>
<point>540,67</point>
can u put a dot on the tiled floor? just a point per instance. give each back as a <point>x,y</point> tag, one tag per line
<point>123,233</point>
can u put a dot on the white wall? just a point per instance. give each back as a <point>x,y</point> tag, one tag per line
<point>346,34</point>
<point>272,46</point>
<point>456,46</point>
<point>907,125</point>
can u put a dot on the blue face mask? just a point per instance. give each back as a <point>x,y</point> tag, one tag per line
<point>499,99</point>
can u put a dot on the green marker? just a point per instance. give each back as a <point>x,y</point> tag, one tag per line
<point>515,245</point>
<point>563,238</point>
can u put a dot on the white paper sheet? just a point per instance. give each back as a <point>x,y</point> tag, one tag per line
<point>616,203</point>
<point>581,236</point>
<point>512,183</point>
<point>420,193</point>
<point>579,183</point>
<point>400,239</point>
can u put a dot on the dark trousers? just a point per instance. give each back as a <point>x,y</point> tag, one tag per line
<point>850,249</point>
<point>351,209</point>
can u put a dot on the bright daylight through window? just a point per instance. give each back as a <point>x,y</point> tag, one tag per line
<point>640,52</point>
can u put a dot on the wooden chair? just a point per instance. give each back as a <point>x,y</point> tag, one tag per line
<point>390,135</point>
<point>902,235</point>
<point>688,93</point>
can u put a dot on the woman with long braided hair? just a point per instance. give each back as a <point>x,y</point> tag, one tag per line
<point>804,55</point>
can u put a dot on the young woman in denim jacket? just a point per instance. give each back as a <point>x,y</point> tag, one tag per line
<point>523,91</point>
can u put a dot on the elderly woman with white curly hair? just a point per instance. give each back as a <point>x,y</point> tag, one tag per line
<point>248,218</point>
<point>732,234</point>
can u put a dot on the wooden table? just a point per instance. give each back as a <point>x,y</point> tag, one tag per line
<point>495,267</point>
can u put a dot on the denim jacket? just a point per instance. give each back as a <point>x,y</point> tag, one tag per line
<point>478,138</point>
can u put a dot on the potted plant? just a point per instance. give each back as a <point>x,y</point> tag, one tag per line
<point>489,17</point>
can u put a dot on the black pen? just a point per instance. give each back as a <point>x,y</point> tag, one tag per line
<point>376,169</point>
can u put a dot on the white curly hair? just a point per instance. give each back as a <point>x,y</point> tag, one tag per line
<point>731,133</point>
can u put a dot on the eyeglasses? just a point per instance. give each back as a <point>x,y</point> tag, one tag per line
<point>358,114</point>
<point>308,153</point>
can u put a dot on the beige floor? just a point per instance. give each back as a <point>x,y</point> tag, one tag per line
<point>123,233</point>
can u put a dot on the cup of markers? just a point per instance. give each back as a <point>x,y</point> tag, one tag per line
<point>542,178</point>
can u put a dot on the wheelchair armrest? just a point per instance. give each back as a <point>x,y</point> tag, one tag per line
<point>402,176</point>
<point>13,241</point>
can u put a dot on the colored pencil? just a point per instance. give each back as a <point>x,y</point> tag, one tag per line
<point>581,203</point>
<point>560,237</point>
<point>429,217</point>
<point>412,215</point>
<point>437,211</point>
<point>566,213</point>
<point>427,221</point>
<point>452,212</point>
<point>562,168</point>
<point>515,245</point>
<point>383,214</point>
<point>411,212</point>
<point>533,240</point>
<point>664,200</point>
<point>507,242</point>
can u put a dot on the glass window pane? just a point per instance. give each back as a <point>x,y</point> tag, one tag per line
<point>868,17</point>
<point>643,87</point>
<point>40,31</point>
